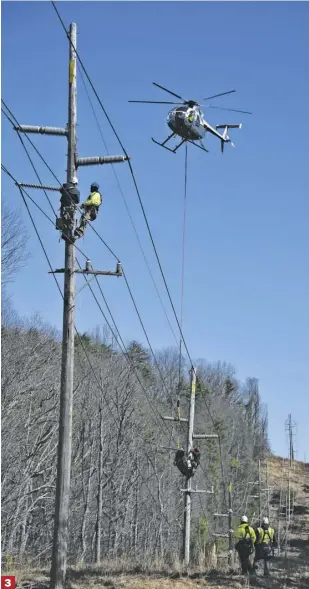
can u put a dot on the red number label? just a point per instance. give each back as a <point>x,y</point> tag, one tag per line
<point>8,582</point>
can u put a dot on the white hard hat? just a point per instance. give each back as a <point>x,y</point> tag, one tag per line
<point>244,519</point>
<point>266,521</point>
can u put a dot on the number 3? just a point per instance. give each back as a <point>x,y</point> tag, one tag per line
<point>7,583</point>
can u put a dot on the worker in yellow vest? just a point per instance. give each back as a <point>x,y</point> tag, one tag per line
<point>90,209</point>
<point>245,535</point>
<point>265,544</point>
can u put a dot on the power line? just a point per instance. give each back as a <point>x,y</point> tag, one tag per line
<point>123,349</point>
<point>35,171</point>
<point>57,179</point>
<point>127,207</point>
<point>134,181</point>
<point>80,339</point>
<point>127,284</point>
<point>36,204</point>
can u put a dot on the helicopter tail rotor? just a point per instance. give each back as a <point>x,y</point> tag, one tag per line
<point>225,137</point>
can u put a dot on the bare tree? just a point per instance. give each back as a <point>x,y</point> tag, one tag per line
<point>14,240</point>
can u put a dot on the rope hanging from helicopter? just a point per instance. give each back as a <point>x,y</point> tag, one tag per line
<point>182,288</point>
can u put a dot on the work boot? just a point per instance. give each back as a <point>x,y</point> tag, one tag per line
<point>78,232</point>
<point>59,223</point>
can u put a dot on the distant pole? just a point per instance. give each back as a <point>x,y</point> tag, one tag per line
<point>230,557</point>
<point>187,513</point>
<point>188,490</point>
<point>268,492</point>
<point>260,498</point>
<point>59,554</point>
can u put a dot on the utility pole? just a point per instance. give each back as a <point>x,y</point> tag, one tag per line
<point>187,513</point>
<point>289,428</point>
<point>268,493</point>
<point>230,532</point>
<point>260,498</point>
<point>60,540</point>
<point>230,557</point>
<point>188,490</point>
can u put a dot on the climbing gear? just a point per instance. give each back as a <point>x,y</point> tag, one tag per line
<point>70,197</point>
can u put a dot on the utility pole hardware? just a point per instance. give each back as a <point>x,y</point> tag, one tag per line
<point>188,490</point>
<point>67,224</point>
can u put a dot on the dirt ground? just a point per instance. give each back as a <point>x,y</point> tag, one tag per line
<point>287,573</point>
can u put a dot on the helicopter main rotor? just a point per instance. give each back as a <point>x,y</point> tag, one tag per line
<point>189,103</point>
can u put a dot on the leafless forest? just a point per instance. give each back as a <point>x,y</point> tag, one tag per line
<point>125,497</point>
<point>125,491</point>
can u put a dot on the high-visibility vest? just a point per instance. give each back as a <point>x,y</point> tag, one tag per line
<point>265,536</point>
<point>94,199</point>
<point>245,532</point>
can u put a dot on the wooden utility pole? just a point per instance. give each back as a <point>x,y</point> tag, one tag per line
<point>60,540</point>
<point>230,557</point>
<point>187,512</point>
<point>59,554</point>
<point>268,493</point>
<point>230,532</point>
<point>188,490</point>
<point>260,495</point>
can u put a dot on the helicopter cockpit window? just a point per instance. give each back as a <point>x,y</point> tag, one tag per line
<point>181,111</point>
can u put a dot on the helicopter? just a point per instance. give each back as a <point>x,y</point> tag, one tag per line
<point>188,122</point>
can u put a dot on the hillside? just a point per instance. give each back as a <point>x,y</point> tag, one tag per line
<point>290,571</point>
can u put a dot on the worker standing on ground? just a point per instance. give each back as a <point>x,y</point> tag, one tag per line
<point>265,544</point>
<point>245,545</point>
<point>90,209</point>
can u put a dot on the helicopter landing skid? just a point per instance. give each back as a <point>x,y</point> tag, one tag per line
<point>166,140</point>
<point>179,145</point>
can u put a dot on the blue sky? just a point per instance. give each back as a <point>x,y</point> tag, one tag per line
<point>246,273</point>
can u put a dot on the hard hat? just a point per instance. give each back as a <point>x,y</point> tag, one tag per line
<point>95,186</point>
<point>265,521</point>
<point>244,519</point>
<point>74,180</point>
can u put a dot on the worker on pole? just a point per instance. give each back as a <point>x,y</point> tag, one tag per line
<point>90,209</point>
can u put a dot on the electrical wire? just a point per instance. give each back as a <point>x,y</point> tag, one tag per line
<point>145,218</point>
<point>57,179</point>
<point>182,289</point>
<point>126,281</point>
<point>183,257</point>
<point>80,339</point>
<point>133,178</point>
<point>126,204</point>
<point>132,174</point>
<point>122,347</point>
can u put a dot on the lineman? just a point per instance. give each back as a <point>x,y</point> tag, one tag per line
<point>70,197</point>
<point>187,466</point>
<point>91,209</point>
<point>245,545</point>
<point>265,544</point>
<point>194,459</point>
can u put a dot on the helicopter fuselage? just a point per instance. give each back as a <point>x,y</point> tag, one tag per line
<point>186,122</point>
